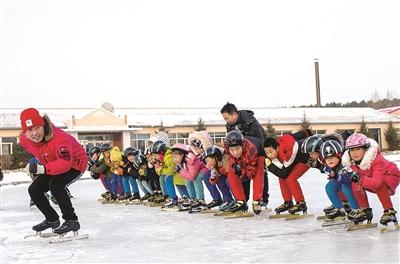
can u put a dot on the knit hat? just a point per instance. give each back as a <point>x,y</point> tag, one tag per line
<point>30,117</point>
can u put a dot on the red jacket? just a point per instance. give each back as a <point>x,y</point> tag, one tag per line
<point>374,170</point>
<point>59,153</point>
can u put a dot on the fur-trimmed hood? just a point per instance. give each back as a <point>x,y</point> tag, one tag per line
<point>368,158</point>
<point>204,137</point>
<point>48,128</point>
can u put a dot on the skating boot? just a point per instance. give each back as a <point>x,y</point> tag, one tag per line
<point>185,201</point>
<point>105,194</point>
<point>214,203</point>
<point>388,216</point>
<point>298,207</point>
<point>284,207</point>
<point>197,203</point>
<point>359,215</point>
<point>45,225</point>
<point>145,197</point>
<point>257,207</point>
<point>238,206</point>
<point>172,205</point>
<point>226,206</point>
<point>336,212</point>
<point>347,207</point>
<point>68,225</point>
<point>328,209</point>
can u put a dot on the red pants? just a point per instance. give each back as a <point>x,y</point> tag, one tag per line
<point>382,192</point>
<point>258,183</point>
<point>290,187</point>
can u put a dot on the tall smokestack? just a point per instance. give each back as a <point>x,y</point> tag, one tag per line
<point>317,87</point>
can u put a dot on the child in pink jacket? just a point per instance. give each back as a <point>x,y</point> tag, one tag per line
<point>370,172</point>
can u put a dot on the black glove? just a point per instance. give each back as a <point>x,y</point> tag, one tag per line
<point>36,168</point>
<point>355,177</point>
<point>179,167</point>
<point>311,162</point>
<point>237,169</point>
<point>95,176</point>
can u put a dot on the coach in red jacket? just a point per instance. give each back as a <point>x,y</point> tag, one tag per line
<point>62,160</point>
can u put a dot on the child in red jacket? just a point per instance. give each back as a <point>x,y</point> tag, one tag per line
<point>373,173</point>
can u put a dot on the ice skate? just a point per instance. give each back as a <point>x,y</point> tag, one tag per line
<point>226,206</point>
<point>45,225</point>
<point>214,203</point>
<point>256,207</point>
<point>67,226</point>
<point>358,216</point>
<point>389,216</point>
<point>282,208</point>
<point>298,207</point>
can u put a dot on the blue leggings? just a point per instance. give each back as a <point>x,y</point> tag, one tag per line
<point>170,188</point>
<point>333,187</point>
<point>107,182</point>
<point>190,188</point>
<point>162,184</point>
<point>127,182</point>
<point>222,186</point>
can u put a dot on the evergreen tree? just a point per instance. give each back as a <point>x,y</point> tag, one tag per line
<point>392,137</point>
<point>20,157</point>
<point>200,125</point>
<point>305,124</point>
<point>270,130</point>
<point>364,128</point>
<point>162,128</point>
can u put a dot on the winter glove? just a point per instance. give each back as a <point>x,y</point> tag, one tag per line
<point>237,169</point>
<point>355,177</point>
<point>36,168</point>
<point>331,175</point>
<point>311,162</point>
<point>214,174</point>
<point>141,172</point>
<point>179,167</point>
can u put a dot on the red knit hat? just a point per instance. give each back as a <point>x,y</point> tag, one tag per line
<point>30,117</point>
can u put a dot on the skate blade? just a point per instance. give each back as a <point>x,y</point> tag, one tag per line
<point>43,235</point>
<point>354,227</point>
<point>339,218</point>
<point>339,222</point>
<point>278,216</point>
<point>298,216</point>
<point>64,238</point>
<point>390,228</point>
<point>239,215</point>
<point>322,217</point>
<point>224,213</point>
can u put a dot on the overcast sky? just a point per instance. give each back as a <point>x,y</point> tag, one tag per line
<point>196,53</point>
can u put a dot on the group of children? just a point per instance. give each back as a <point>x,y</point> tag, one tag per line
<point>353,166</point>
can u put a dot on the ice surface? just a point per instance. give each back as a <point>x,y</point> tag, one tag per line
<point>135,233</point>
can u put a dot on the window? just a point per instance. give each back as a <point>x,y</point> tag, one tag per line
<point>319,132</point>
<point>282,132</point>
<point>375,133</point>
<point>89,141</point>
<point>178,138</point>
<point>6,145</point>
<point>139,141</point>
<point>218,138</point>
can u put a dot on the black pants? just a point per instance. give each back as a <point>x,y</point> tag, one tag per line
<point>57,185</point>
<point>266,188</point>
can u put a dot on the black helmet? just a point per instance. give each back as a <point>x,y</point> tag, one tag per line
<point>93,150</point>
<point>158,146</point>
<point>234,138</point>
<point>212,152</point>
<point>311,144</point>
<point>105,147</point>
<point>139,160</point>
<point>330,148</point>
<point>130,151</point>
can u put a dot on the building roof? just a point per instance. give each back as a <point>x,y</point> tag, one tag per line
<point>389,110</point>
<point>144,117</point>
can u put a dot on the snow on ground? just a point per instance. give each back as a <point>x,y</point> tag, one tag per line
<point>135,233</point>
